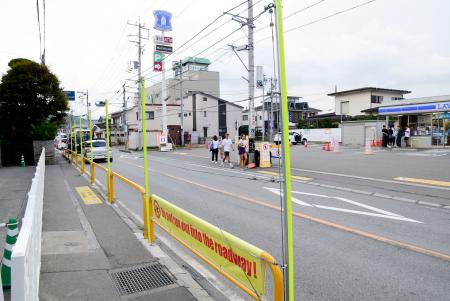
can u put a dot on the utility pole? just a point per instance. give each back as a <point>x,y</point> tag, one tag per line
<point>124,117</point>
<point>180,69</point>
<point>139,81</point>
<point>251,71</point>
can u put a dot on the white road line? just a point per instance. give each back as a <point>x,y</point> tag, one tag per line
<point>369,179</point>
<point>381,213</point>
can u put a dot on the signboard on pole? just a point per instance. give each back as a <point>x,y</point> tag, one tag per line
<point>259,77</point>
<point>162,143</point>
<point>264,154</point>
<point>158,57</point>
<point>70,95</point>
<point>158,66</point>
<point>239,259</point>
<point>164,48</point>
<point>162,40</point>
<point>163,20</point>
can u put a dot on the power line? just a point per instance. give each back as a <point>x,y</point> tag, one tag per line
<point>39,28</point>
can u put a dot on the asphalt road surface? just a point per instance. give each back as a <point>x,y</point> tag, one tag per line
<point>366,227</point>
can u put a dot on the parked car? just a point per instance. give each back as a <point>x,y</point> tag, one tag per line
<point>99,150</point>
<point>294,138</point>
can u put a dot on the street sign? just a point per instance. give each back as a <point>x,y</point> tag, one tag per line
<point>164,48</point>
<point>157,57</point>
<point>70,95</point>
<point>259,77</point>
<point>163,20</point>
<point>162,40</point>
<point>157,66</point>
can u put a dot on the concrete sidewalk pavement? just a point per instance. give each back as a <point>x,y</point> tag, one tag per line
<point>91,251</point>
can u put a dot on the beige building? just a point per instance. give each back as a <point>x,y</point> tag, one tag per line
<point>352,102</point>
<point>195,76</point>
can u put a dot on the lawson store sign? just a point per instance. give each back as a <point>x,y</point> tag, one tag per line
<point>420,108</point>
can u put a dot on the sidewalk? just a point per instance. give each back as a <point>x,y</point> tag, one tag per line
<point>87,244</point>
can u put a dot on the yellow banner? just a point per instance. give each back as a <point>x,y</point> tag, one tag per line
<point>239,259</point>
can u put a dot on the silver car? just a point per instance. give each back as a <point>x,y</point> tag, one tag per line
<point>99,150</point>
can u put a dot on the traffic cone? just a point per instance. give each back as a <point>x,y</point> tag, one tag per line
<point>374,143</point>
<point>323,146</point>
<point>11,238</point>
<point>305,144</point>
<point>22,161</point>
<point>206,145</point>
<point>329,147</point>
<point>368,150</point>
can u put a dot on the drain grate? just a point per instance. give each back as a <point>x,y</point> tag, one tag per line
<point>141,278</point>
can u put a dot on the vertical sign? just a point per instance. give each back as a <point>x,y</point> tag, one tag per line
<point>259,77</point>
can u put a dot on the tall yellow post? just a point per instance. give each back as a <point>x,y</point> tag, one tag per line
<point>149,204</point>
<point>109,178</point>
<point>81,146</point>
<point>287,193</point>
<point>92,167</point>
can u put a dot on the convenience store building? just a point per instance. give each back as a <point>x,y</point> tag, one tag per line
<point>427,117</point>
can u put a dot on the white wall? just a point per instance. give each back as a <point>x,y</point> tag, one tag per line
<point>320,135</point>
<point>233,113</point>
<point>362,101</point>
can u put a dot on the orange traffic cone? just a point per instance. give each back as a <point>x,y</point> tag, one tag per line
<point>305,144</point>
<point>206,145</point>
<point>368,150</point>
<point>323,146</point>
<point>329,147</point>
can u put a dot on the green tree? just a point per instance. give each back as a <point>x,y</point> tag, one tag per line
<point>32,103</point>
<point>300,124</point>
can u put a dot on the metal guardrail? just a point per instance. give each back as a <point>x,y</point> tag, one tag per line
<point>149,221</point>
<point>26,253</point>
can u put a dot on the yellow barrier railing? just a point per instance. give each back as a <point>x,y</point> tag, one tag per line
<point>149,222</point>
<point>110,187</point>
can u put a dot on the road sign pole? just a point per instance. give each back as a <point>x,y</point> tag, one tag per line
<point>81,148</point>
<point>287,193</point>
<point>90,136</point>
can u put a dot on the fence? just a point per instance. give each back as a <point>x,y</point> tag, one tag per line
<point>26,254</point>
<point>240,266</point>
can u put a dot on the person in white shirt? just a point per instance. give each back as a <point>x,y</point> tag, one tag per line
<point>407,135</point>
<point>214,148</point>
<point>227,147</point>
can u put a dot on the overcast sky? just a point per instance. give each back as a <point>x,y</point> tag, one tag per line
<point>398,44</point>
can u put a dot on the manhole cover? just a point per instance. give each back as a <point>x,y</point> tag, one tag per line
<point>140,278</point>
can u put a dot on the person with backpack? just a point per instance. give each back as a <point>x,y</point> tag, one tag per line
<point>214,148</point>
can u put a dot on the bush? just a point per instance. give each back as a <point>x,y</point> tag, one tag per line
<point>44,131</point>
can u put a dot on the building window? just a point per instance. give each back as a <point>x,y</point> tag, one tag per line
<point>150,115</point>
<point>205,99</point>
<point>244,117</point>
<point>376,99</point>
<point>189,114</point>
<point>397,98</point>
<point>137,115</point>
<point>185,114</point>
<point>204,113</point>
<point>260,117</point>
<point>345,107</point>
<point>179,115</point>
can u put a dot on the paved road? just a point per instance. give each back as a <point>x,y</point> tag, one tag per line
<point>353,240</point>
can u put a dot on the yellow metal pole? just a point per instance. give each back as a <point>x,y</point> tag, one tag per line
<point>148,209</point>
<point>81,147</point>
<point>92,167</point>
<point>108,158</point>
<point>287,193</point>
<point>71,145</point>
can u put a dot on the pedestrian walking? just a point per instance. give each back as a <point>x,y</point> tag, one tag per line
<point>214,148</point>
<point>242,151</point>
<point>407,135</point>
<point>222,155</point>
<point>385,135</point>
<point>227,147</point>
<point>391,139</point>
<point>399,137</point>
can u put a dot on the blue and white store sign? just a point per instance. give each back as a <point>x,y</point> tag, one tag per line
<point>163,20</point>
<point>420,108</point>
